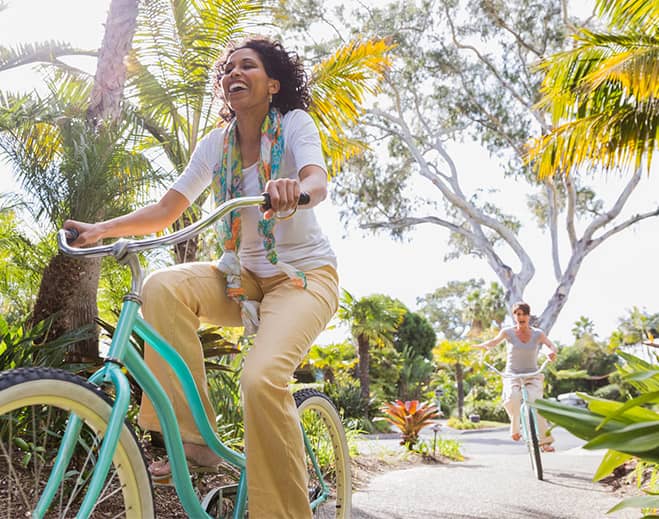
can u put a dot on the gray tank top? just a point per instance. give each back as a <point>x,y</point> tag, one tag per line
<point>522,357</point>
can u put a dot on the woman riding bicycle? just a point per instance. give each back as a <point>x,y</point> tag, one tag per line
<point>286,294</point>
<point>523,345</point>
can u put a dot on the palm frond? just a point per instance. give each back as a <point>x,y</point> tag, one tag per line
<point>635,70</point>
<point>632,60</point>
<point>40,52</point>
<point>623,137</point>
<point>603,95</point>
<point>171,69</point>
<point>623,14</point>
<point>66,168</point>
<point>339,85</point>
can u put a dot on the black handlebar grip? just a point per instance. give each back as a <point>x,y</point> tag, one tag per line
<point>304,199</point>
<point>71,235</point>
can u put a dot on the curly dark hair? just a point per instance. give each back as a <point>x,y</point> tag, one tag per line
<point>286,67</point>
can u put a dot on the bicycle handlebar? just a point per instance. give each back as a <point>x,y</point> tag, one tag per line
<point>516,375</point>
<point>123,246</point>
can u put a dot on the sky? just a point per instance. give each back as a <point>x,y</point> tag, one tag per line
<point>617,276</point>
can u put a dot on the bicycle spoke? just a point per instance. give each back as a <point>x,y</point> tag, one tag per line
<point>11,467</point>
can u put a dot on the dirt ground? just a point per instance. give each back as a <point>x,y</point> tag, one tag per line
<point>363,469</point>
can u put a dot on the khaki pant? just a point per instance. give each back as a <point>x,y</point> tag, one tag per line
<point>177,299</point>
<point>512,401</point>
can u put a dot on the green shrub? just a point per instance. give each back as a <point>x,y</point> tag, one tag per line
<point>487,410</point>
<point>345,392</point>
<point>23,344</point>
<point>456,423</point>
<point>626,430</point>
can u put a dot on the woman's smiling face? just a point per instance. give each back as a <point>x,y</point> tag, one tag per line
<point>245,83</point>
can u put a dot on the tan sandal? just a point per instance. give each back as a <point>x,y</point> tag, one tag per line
<point>163,470</point>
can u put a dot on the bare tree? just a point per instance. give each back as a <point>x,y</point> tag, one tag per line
<point>468,69</point>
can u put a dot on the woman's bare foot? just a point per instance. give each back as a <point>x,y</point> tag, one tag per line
<point>198,456</point>
<point>547,448</point>
<point>516,436</point>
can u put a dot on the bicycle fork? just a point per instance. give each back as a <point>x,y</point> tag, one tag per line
<point>524,411</point>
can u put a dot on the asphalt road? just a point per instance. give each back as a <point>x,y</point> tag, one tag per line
<point>496,481</point>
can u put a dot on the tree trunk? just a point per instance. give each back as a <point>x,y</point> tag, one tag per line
<point>459,380</point>
<point>68,289</point>
<point>364,366</point>
<point>105,98</point>
<point>186,251</point>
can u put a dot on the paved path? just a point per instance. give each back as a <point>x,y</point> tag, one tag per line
<point>495,482</point>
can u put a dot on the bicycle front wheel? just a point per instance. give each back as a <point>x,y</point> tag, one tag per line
<point>328,458</point>
<point>35,405</point>
<point>534,445</point>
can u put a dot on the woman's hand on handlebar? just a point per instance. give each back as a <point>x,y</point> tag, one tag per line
<point>82,233</point>
<point>551,355</point>
<point>284,195</point>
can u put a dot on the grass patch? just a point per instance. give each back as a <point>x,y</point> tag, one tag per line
<point>464,425</point>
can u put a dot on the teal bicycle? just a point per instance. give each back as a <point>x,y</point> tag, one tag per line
<point>67,449</point>
<point>528,417</point>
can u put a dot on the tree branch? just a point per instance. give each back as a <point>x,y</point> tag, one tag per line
<point>507,85</point>
<point>571,211</point>
<point>612,213</point>
<point>501,269</point>
<point>492,11</point>
<point>550,189</point>
<point>566,18</point>
<point>620,227</point>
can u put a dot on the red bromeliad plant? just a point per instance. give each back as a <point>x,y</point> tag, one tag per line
<point>410,417</point>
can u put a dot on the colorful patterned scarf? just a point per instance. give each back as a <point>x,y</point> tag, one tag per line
<point>226,185</point>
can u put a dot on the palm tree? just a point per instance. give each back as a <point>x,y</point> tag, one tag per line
<point>92,144</point>
<point>107,93</point>
<point>604,94</point>
<point>458,356</point>
<point>373,321</point>
<point>171,81</point>
<point>67,169</point>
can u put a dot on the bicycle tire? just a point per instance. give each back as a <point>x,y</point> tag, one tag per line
<point>534,446</point>
<point>35,404</point>
<point>323,427</point>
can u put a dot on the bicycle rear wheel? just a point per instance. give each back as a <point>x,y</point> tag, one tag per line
<point>534,445</point>
<point>35,404</point>
<point>327,441</point>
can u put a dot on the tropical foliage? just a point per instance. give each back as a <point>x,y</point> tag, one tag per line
<point>373,320</point>
<point>339,85</point>
<point>410,417</point>
<point>626,430</point>
<point>603,93</point>
<point>69,170</point>
<point>458,357</point>
<point>462,307</point>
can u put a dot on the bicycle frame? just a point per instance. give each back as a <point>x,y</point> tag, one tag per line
<point>123,355</point>
<point>526,433</point>
<point>525,396</point>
